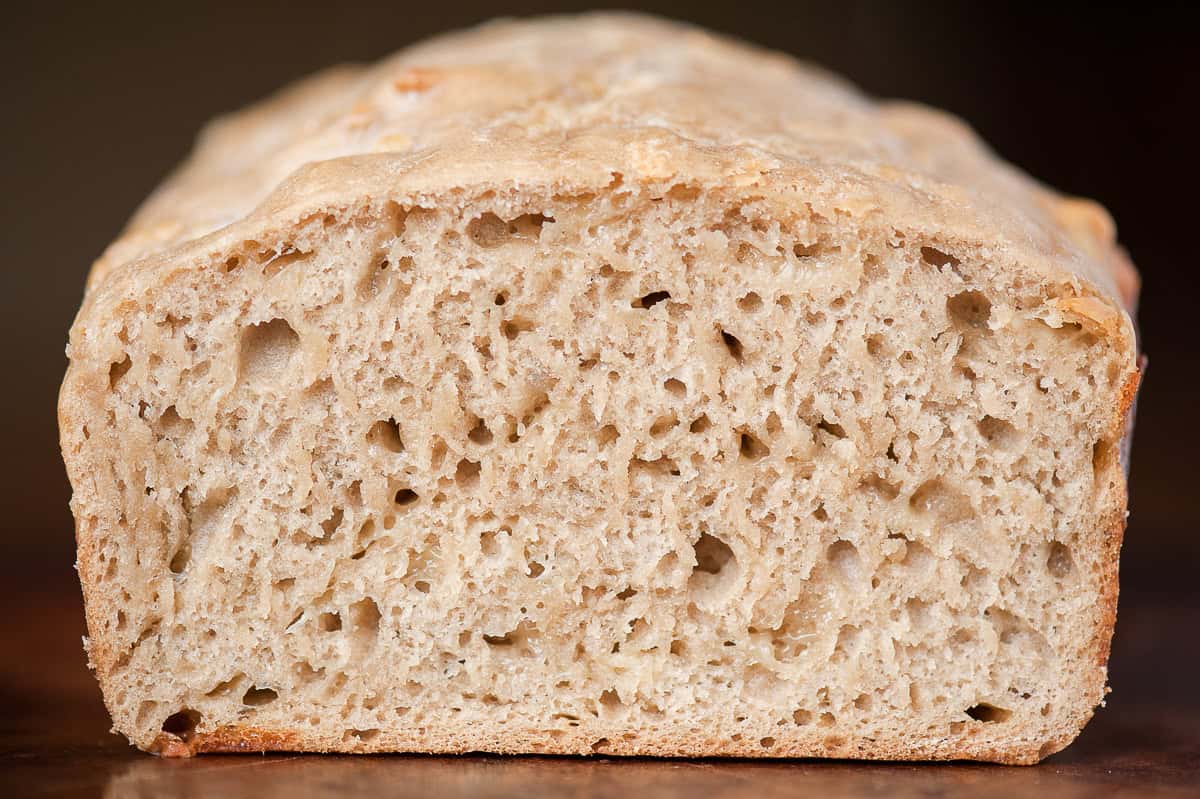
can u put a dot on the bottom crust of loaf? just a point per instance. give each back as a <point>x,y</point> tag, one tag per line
<point>582,741</point>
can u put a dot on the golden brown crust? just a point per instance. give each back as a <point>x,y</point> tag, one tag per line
<point>1122,427</point>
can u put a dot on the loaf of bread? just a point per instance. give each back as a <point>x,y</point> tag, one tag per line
<point>598,385</point>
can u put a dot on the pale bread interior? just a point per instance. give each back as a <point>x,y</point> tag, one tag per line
<point>640,472</point>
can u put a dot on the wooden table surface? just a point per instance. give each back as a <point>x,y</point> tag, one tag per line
<point>54,739</point>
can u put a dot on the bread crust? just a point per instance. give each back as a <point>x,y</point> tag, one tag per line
<point>556,115</point>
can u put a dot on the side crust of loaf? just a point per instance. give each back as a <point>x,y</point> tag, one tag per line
<point>987,260</point>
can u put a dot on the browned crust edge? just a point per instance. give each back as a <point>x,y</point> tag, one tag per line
<point>247,739</point>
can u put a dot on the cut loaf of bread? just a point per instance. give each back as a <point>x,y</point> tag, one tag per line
<point>597,385</point>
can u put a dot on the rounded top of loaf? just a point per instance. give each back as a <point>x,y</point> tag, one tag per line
<point>577,104</point>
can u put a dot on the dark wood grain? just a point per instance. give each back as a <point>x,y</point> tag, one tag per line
<point>54,740</point>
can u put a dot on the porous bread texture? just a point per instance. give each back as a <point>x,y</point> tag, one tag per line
<point>607,441</point>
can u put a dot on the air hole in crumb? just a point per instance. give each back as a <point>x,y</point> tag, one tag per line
<point>266,348</point>
<point>600,745</point>
<point>733,345</point>
<point>988,713</point>
<point>422,586</point>
<point>329,622</point>
<point>802,717</point>
<point>750,302</point>
<point>255,696</point>
<point>626,594</point>
<point>500,298</point>
<point>651,299</point>
<point>678,647</point>
<point>511,328</point>
<point>480,434</point>
<point>610,700</point>
<point>659,467</point>
<point>172,424</point>
<point>774,425</point>
<point>607,435</point>
<point>179,560</point>
<point>935,257</point>
<point>467,473</point>
<point>820,514</point>
<point>712,554</point>
<point>751,448</point>
<point>330,525</point>
<point>746,252</point>
<point>386,434</point>
<point>535,569</point>
<point>874,345</point>
<point>833,429</point>
<point>939,499</point>
<point>969,308</point>
<point>530,225</point>
<point>801,250</point>
<point>998,432</point>
<point>364,617</point>
<point>275,260</point>
<point>182,724</point>
<point>663,425</point>
<point>675,387</point>
<point>1059,561</point>
<point>844,557</point>
<point>701,424</point>
<point>878,485</point>
<point>1103,455</point>
<point>224,687</point>
<point>487,542</point>
<point>489,230</point>
<point>766,743</point>
<point>117,371</point>
<point>406,496</point>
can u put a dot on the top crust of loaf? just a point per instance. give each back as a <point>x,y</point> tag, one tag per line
<point>574,103</point>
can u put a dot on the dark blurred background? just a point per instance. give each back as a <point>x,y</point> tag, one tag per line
<point>100,102</point>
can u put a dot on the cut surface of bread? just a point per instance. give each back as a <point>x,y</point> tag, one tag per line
<point>596,385</point>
